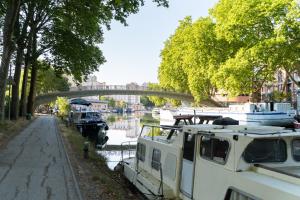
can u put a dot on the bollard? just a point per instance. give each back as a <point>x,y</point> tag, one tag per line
<point>86,150</point>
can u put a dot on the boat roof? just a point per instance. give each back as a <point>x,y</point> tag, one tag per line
<point>242,130</point>
<point>204,117</point>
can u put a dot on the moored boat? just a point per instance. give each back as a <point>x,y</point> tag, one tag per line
<point>277,114</point>
<point>91,125</point>
<point>215,162</point>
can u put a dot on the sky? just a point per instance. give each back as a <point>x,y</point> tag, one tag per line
<point>132,52</point>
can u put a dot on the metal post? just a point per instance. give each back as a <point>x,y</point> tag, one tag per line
<point>9,88</point>
<point>298,101</point>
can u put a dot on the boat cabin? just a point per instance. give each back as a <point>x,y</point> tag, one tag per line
<point>216,162</point>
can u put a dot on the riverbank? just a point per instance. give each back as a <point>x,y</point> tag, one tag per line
<point>9,129</point>
<point>96,180</point>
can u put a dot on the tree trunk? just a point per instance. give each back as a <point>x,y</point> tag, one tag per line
<point>21,37</point>
<point>8,44</point>
<point>255,97</point>
<point>32,91</point>
<point>15,86</point>
<point>33,77</point>
<point>23,100</point>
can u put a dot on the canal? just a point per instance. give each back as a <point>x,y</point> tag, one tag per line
<point>124,128</point>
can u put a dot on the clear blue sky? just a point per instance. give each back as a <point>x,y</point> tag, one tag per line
<point>132,52</point>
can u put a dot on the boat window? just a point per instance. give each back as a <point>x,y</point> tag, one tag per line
<point>155,164</point>
<point>265,150</point>
<point>215,149</point>
<point>189,145</point>
<point>236,194</point>
<point>296,149</point>
<point>141,151</point>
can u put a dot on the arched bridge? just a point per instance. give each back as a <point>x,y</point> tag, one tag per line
<point>46,98</point>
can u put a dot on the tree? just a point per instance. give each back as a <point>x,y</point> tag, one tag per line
<point>267,36</point>
<point>12,10</point>
<point>191,57</point>
<point>146,101</point>
<point>49,81</point>
<point>66,33</point>
<point>63,106</point>
<point>20,33</point>
<point>171,74</point>
<point>158,101</point>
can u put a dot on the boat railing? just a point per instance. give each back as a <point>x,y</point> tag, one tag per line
<point>128,147</point>
<point>158,130</point>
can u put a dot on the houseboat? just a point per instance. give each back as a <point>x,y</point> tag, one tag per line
<point>264,114</point>
<point>216,162</point>
<point>91,125</point>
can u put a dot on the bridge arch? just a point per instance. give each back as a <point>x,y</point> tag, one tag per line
<point>47,98</point>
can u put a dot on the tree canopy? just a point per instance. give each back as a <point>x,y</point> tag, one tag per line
<point>235,50</point>
<point>64,34</point>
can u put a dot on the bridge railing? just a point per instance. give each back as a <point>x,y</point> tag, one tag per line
<point>141,88</point>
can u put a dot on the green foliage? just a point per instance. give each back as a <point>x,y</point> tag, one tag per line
<point>111,118</point>
<point>49,81</point>
<point>278,96</point>
<point>111,101</point>
<point>121,104</point>
<point>158,101</point>
<point>63,106</point>
<point>75,30</point>
<point>237,49</point>
<point>267,36</point>
<point>146,101</point>
<point>148,119</point>
<point>191,56</point>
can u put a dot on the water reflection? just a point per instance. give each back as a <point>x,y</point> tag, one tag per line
<point>124,128</point>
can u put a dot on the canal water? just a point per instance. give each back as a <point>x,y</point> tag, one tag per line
<point>124,128</point>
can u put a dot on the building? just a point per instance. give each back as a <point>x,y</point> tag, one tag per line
<point>98,105</point>
<point>283,84</point>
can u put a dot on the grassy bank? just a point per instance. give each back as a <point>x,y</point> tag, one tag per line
<point>106,184</point>
<point>8,129</point>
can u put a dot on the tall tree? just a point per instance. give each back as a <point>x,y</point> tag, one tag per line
<point>191,57</point>
<point>66,33</point>
<point>267,33</point>
<point>49,81</point>
<point>8,45</point>
<point>21,34</point>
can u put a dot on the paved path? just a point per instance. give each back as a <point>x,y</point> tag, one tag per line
<point>34,165</point>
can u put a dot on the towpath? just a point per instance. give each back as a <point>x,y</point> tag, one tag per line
<point>34,165</point>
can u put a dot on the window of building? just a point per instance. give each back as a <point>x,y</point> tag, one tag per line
<point>155,164</point>
<point>141,151</point>
<point>265,150</point>
<point>296,149</point>
<point>215,149</point>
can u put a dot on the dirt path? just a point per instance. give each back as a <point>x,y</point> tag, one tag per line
<point>34,165</point>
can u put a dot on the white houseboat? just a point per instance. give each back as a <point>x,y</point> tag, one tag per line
<point>265,114</point>
<point>216,162</point>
